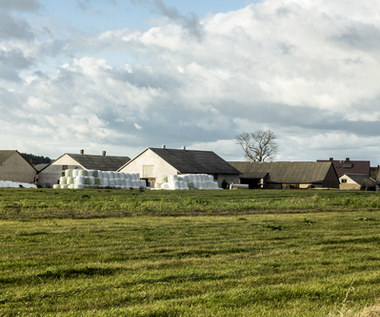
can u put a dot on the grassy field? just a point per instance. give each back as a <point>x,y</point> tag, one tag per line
<point>193,253</point>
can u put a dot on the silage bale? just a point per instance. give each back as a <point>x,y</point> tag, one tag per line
<point>68,172</point>
<point>69,180</point>
<point>78,186</point>
<point>165,186</point>
<point>83,173</point>
<point>79,180</point>
<point>62,180</point>
<point>64,186</point>
<point>56,186</point>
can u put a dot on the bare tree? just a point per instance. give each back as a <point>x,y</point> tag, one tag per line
<point>258,146</point>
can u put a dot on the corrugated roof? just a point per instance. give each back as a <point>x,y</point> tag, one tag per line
<point>285,172</point>
<point>100,162</point>
<point>196,162</point>
<point>361,179</point>
<point>5,154</point>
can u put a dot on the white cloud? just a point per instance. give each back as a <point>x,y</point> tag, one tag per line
<point>308,70</point>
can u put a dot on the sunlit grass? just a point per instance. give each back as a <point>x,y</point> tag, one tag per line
<point>254,260</point>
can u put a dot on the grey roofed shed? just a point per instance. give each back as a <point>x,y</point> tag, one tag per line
<point>97,162</point>
<point>193,161</point>
<point>361,179</point>
<point>318,173</point>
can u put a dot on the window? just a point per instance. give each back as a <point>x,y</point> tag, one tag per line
<point>344,180</point>
<point>147,171</point>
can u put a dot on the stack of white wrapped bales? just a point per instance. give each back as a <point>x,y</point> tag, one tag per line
<point>77,179</point>
<point>190,181</point>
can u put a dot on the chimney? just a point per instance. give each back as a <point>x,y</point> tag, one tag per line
<point>163,146</point>
<point>184,148</point>
<point>82,152</point>
<point>331,159</point>
<point>104,153</point>
<point>347,159</point>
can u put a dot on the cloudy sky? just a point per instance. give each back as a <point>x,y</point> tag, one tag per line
<point>122,75</point>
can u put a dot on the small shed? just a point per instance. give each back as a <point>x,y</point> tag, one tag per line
<point>351,181</point>
<point>155,164</point>
<point>287,175</point>
<point>14,167</point>
<point>50,174</point>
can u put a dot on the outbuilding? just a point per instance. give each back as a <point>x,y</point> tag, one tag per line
<point>351,181</point>
<point>49,175</point>
<point>155,164</point>
<point>287,175</point>
<point>14,167</point>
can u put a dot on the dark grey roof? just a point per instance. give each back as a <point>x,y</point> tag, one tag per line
<point>285,172</point>
<point>100,162</point>
<point>5,154</point>
<point>361,179</point>
<point>196,162</point>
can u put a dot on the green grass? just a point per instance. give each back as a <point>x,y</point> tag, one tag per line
<point>250,253</point>
<point>49,203</point>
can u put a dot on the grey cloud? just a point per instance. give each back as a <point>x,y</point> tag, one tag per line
<point>20,5</point>
<point>360,36</point>
<point>142,78</point>
<point>86,5</point>
<point>11,63</point>
<point>14,28</point>
<point>190,23</point>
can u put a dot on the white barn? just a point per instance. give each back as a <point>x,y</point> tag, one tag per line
<point>155,164</point>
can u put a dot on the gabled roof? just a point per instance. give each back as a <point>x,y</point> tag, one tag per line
<point>41,166</point>
<point>350,166</point>
<point>5,154</point>
<point>285,172</point>
<point>99,162</point>
<point>361,179</point>
<point>193,161</point>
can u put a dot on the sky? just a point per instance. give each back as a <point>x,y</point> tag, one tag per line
<point>123,75</point>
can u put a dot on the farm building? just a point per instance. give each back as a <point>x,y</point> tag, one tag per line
<point>349,166</point>
<point>13,167</point>
<point>50,175</point>
<point>287,175</point>
<point>155,164</point>
<point>357,182</point>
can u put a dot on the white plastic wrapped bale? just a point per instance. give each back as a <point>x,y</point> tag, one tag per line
<point>190,181</point>
<point>62,180</point>
<point>56,186</point>
<point>75,172</point>
<point>79,180</point>
<point>165,186</point>
<point>68,172</point>
<point>83,173</point>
